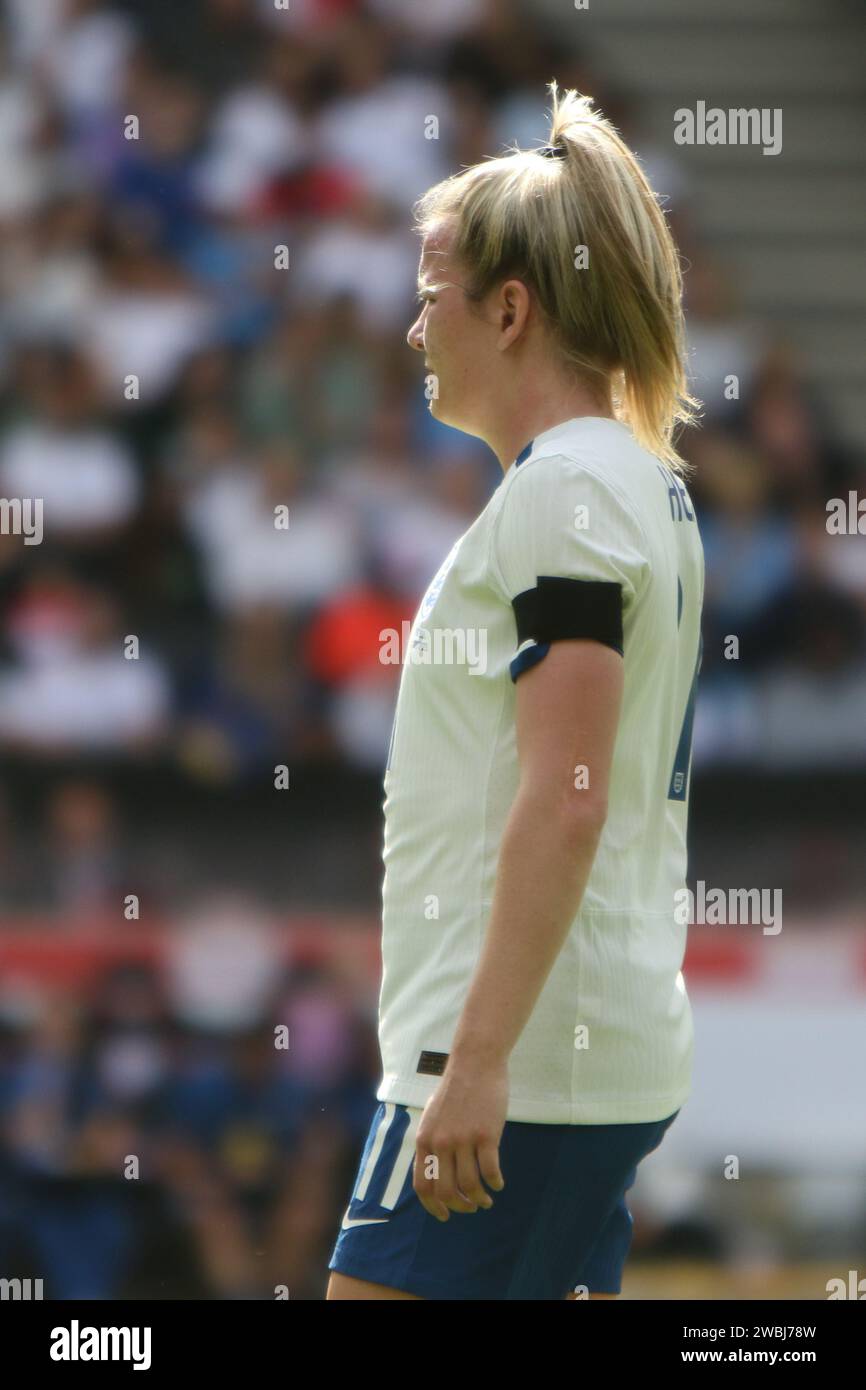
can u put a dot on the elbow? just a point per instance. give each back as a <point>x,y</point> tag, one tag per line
<point>582,819</point>
<point>586,821</point>
<point>578,814</point>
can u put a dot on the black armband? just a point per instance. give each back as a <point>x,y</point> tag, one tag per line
<point>561,608</point>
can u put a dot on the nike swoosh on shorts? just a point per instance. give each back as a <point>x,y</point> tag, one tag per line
<point>347,1222</point>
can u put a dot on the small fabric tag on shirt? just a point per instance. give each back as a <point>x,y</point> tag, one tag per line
<point>432,1063</point>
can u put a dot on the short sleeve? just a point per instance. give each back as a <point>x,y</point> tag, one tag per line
<point>569,555</point>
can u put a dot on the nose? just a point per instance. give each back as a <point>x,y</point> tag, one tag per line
<point>415,336</point>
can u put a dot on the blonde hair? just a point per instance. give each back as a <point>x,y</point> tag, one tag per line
<point>524,214</point>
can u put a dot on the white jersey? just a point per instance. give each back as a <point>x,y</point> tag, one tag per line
<point>587,535</point>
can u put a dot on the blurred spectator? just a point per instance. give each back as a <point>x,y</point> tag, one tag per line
<point>218,40</point>
<point>37,1118</point>
<point>368,256</point>
<point>65,455</point>
<point>247,698</point>
<point>266,538</point>
<point>750,553</point>
<point>85,869</point>
<point>126,1038</point>
<point>257,132</point>
<point>381,124</point>
<point>408,522</point>
<point>50,274</point>
<point>152,179</point>
<point>220,973</point>
<point>316,380</point>
<point>145,322</point>
<point>72,688</point>
<point>807,463</point>
<point>811,696</point>
<point>416,17</point>
<point>721,344</point>
<point>25,169</point>
<point>82,55</point>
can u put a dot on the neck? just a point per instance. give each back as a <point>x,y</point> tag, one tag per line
<point>527,419</point>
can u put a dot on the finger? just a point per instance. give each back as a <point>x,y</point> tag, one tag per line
<point>423,1185</point>
<point>445,1186</point>
<point>488,1162</point>
<point>469,1178</point>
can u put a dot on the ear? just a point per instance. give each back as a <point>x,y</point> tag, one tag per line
<point>513,305</point>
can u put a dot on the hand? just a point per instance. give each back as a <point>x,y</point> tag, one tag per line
<point>461,1128</point>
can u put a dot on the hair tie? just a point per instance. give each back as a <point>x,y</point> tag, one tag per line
<point>553,151</point>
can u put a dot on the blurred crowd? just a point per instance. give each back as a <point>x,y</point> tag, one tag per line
<point>208,271</point>
<point>206,275</point>
<point>183,1132</point>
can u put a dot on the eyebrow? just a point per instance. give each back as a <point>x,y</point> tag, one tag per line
<point>425,283</point>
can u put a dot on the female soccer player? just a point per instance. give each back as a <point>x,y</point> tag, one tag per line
<point>535,1031</point>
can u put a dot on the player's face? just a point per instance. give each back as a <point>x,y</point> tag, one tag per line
<point>453,339</point>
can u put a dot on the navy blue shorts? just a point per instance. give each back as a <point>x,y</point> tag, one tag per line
<point>561,1222</point>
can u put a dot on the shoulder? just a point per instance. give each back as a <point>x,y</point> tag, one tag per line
<point>551,484</point>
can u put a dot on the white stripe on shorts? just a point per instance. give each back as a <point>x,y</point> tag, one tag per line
<point>403,1161</point>
<point>375,1150</point>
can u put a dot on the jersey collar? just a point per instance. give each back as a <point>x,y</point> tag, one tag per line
<point>548,435</point>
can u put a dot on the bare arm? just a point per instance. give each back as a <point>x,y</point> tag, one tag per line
<point>567,710</point>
